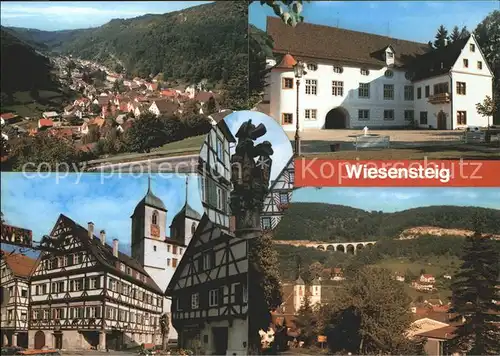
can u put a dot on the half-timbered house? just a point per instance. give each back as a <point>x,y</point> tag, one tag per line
<point>159,253</point>
<point>209,293</point>
<point>278,197</point>
<point>15,271</point>
<point>86,294</point>
<point>215,171</point>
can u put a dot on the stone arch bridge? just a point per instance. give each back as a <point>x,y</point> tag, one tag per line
<point>345,247</point>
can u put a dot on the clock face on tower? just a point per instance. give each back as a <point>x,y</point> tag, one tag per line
<point>155,231</point>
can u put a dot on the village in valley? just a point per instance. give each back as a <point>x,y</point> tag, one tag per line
<point>106,104</point>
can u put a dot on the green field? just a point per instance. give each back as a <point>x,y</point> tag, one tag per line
<point>24,105</point>
<point>188,145</point>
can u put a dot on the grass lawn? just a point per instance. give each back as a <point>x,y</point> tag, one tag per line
<point>189,145</point>
<point>430,152</point>
<point>24,105</point>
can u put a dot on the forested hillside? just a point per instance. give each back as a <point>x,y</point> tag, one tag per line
<point>22,67</point>
<point>326,222</point>
<point>207,41</point>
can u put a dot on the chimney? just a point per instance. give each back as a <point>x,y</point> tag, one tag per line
<point>91,230</point>
<point>115,247</point>
<point>103,237</point>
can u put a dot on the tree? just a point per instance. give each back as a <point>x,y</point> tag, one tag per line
<point>441,38</point>
<point>288,10</point>
<point>45,153</point>
<point>211,106</point>
<point>307,321</point>
<point>458,34</point>
<point>197,125</point>
<point>369,315</point>
<point>95,109</point>
<point>264,288</point>
<point>487,108</point>
<point>487,34</point>
<point>92,136</point>
<point>473,293</point>
<point>165,329</point>
<point>150,131</point>
<point>315,269</point>
<point>118,68</point>
<point>190,108</point>
<point>260,47</point>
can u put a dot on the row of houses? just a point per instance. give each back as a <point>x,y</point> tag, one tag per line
<point>83,292</point>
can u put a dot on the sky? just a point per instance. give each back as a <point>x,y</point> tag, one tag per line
<point>66,15</point>
<point>275,134</point>
<point>397,199</point>
<point>409,20</point>
<point>35,203</point>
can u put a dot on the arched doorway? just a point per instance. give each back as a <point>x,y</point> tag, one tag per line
<point>337,118</point>
<point>441,120</point>
<point>39,339</point>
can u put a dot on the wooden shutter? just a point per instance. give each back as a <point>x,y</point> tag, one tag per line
<point>200,263</point>
<point>221,295</point>
<point>238,293</point>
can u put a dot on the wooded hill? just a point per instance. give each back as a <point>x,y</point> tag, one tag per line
<point>327,222</point>
<point>207,41</point>
<point>22,67</point>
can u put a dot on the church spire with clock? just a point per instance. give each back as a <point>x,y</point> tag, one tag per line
<point>149,223</point>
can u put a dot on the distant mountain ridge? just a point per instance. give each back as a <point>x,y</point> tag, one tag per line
<point>328,222</point>
<point>206,41</point>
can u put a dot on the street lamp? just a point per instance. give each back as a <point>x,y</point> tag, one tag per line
<point>299,71</point>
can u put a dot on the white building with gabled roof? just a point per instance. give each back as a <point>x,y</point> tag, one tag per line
<point>355,79</point>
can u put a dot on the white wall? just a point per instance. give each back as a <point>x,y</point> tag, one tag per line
<point>284,100</point>
<point>432,110</point>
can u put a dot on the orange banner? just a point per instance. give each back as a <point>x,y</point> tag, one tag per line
<point>312,172</point>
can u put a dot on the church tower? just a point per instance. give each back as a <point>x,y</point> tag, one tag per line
<point>186,221</point>
<point>315,291</point>
<point>149,222</point>
<point>299,292</point>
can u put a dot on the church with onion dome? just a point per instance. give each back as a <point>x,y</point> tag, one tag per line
<point>157,248</point>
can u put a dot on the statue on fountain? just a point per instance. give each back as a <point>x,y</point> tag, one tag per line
<point>250,179</point>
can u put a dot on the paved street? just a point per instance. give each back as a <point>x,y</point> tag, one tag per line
<point>315,140</point>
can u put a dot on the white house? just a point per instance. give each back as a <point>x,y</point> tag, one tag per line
<point>427,278</point>
<point>356,79</point>
<point>159,253</point>
<point>215,172</point>
<point>210,295</point>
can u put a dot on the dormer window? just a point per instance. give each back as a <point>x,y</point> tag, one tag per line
<point>389,56</point>
<point>312,67</point>
<point>338,70</point>
<point>389,73</point>
<point>364,71</point>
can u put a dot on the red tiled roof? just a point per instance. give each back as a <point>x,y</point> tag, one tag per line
<point>287,62</point>
<point>45,123</point>
<point>19,264</point>
<point>444,333</point>
<point>8,116</point>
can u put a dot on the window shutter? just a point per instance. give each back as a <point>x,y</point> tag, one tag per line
<point>221,295</point>
<point>204,295</point>
<point>200,263</point>
<point>238,293</point>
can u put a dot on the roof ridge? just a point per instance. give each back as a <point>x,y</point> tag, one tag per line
<point>345,29</point>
